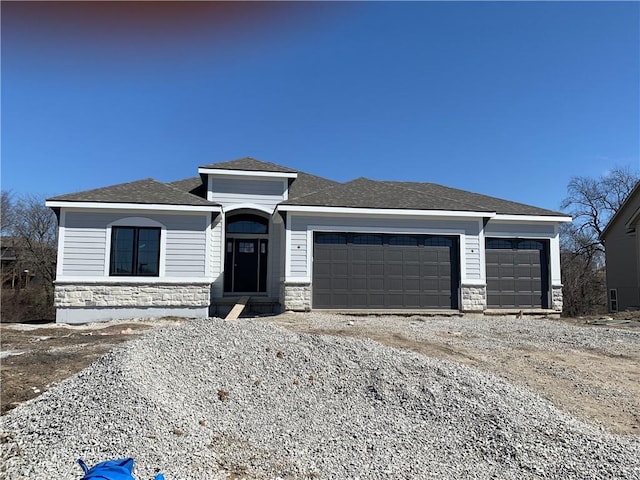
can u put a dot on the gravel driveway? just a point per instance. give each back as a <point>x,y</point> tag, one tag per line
<point>214,398</point>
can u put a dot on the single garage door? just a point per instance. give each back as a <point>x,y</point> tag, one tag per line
<point>369,271</point>
<point>517,273</point>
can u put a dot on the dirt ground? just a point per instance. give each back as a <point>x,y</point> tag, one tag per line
<point>591,384</point>
<point>34,357</point>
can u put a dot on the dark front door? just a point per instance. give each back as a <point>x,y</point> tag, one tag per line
<point>245,265</point>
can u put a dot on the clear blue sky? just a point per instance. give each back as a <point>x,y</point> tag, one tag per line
<point>507,99</point>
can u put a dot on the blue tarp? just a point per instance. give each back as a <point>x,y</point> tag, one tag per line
<point>120,469</point>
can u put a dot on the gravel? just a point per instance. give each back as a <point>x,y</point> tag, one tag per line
<point>214,398</point>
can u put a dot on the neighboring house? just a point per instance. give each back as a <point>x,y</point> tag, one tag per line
<point>299,242</point>
<point>621,239</point>
<point>16,268</point>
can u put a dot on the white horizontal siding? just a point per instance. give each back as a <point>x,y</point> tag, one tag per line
<point>84,251</point>
<point>85,242</point>
<point>230,191</point>
<point>298,253</point>
<point>514,230</point>
<point>473,262</point>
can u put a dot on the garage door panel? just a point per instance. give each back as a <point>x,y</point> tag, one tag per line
<point>412,274</point>
<point>359,269</point>
<point>376,269</point>
<point>340,255</point>
<point>341,299</point>
<point>507,270</point>
<point>411,284</point>
<point>376,300</point>
<point>322,269</point>
<point>393,254</point>
<point>526,300</point>
<point>412,269</point>
<point>525,271</point>
<point>412,300</point>
<point>339,283</point>
<point>358,283</point>
<point>322,283</point>
<point>394,283</point>
<point>517,277</point>
<point>375,254</point>
<point>358,255</point>
<point>430,270</point>
<point>323,254</point>
<point>394,269</point>
<point>444,270</point>
<point>410,254</point>
<point>394,300</point>
<point>339,269</point>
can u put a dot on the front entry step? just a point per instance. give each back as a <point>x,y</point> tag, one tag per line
<point>256,306</point>
<point>237,309</point>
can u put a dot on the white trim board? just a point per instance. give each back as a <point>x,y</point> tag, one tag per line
<point>498,217</point>
<point>245,173</point>
<point>394,212</point>
<point>143,207</point>
<point>127,280</point>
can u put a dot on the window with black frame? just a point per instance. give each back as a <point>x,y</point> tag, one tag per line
<point>135,251</point>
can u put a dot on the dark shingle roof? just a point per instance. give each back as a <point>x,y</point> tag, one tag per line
<point>303,184</point>
<point>306,184</point>
<point>365,193</point>
<point>251,165</point>
<point>147,191</point>
<point>478,200</point>
<point>311,190</point>
<point>193,185</point>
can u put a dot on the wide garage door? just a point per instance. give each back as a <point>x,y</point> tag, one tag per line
<point>369,271</point>
<point>517,273</point>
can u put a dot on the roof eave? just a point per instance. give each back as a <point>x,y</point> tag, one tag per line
<point>532,218</point>
<point>131,206</point>
<point>245,173</point>
<point>382,211</point>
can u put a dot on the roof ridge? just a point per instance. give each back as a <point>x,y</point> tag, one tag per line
<point>280,168</point>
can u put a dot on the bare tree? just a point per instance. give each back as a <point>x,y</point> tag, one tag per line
<point>35,226</point>
<point>6,213</point>
<point>29,230</point>
<point>592,203</point>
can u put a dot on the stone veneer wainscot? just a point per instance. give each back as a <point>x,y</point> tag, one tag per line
<point>296,296</point>
<point>132,295</point>
<point>474,298</point>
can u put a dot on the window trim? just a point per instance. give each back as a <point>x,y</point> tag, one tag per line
<point>135,251</point>
<point>136,222</point>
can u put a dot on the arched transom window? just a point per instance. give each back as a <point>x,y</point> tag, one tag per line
<point>247,223</point>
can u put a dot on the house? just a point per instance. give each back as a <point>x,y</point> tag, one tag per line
<point>622,250</point>
<point>299,242</point>
<point>17,268</point>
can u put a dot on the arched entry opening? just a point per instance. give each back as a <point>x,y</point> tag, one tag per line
<point>246,253</point>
